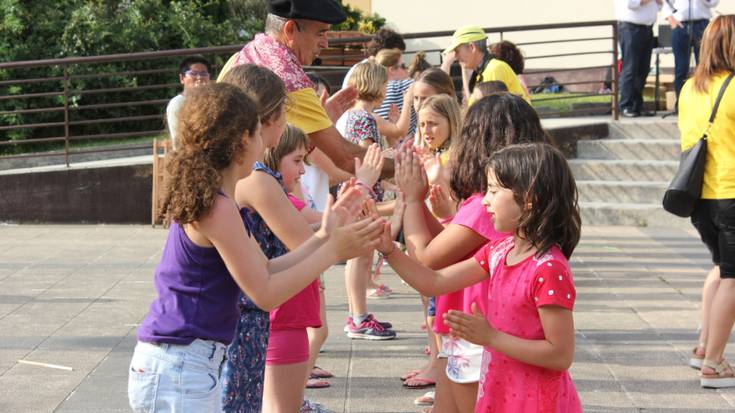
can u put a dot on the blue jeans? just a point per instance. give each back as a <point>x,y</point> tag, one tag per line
<point>636,43</point>
<point>682,53</point>
<point>176,378</point>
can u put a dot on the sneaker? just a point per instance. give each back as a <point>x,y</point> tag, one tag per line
<point>386,325</point>
<point>309,406</point>
<point>370,329</point>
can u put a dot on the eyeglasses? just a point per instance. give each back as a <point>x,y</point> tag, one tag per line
<point>197,74</point>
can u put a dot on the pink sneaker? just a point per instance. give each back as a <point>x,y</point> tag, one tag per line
<point>370,329</point>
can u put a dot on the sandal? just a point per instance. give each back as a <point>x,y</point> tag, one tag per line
<point>722,376</point>
<point>319,373</point>
<point>418,383</point>
<point>316,383</point>
<point>379,292</point>
<point>426,400</point>
<point>696,359</point>
<point>411,374</point>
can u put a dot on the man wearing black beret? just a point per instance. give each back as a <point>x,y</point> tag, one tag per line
<point>295,34</point>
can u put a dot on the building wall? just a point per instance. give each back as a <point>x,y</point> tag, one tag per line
<point>410,16</point>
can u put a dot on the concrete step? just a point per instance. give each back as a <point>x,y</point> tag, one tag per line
<point>643,130</point>
<point>638,149</point>
<point>630,214</point>
<point>623,170</point>
<point>636,192</point>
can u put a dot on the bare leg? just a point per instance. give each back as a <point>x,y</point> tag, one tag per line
<point>283,389</point>
<point>721,320</point>
<point>317,336</point>
<point>708,293</point>
<point>443,398</point>
<point>357,273</point>
<point>465,395</point>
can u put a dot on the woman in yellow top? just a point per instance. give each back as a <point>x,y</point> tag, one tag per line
<point>714,216</point>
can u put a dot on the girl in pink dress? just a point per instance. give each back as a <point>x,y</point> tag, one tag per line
<point>527,327</point>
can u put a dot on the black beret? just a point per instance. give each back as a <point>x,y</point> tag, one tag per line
<point>327,11</point>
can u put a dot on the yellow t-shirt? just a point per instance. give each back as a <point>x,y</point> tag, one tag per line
<point>497,69</point>
<point>226,68</point>
<point>694,112</point>
<point>304,109</point>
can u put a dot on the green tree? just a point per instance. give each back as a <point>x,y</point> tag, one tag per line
<point>43,29</point>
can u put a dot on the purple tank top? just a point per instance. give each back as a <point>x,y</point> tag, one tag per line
<point>197,296</point>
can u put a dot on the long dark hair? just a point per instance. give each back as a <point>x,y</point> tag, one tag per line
<point>491,123</point>
<point>539,175</point>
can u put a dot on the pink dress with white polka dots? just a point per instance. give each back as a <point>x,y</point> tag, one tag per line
<point>515,294</point>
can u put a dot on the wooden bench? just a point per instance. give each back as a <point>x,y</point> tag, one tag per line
<point>161,147</point>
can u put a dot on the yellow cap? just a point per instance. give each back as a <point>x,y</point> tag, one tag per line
<point>464,35</point>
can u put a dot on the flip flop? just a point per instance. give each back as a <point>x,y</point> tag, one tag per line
<point>411,374</point>
<point>418,383</point>
<point>426,400</point>
<point>319,373</point>
<point>317,384</point>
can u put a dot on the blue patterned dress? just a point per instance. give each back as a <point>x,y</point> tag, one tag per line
<point>244,369</point>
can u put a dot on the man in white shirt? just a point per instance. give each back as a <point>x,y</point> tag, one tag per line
<point>635,34</point>
<point>687,18</point>
<point>194,71</point>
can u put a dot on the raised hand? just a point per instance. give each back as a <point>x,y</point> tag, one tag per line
<point>397,218</point>
<point>358,238</point>
<point>368,170</point>
<point>385,243</point>
<point>343,212</point>
<point>442,205</point>
<point>338,104</point>
<point>394,113</point>
<point>411,176</point>
<point>474,327</point>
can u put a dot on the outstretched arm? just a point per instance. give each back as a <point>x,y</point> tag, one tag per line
<point>426,281</point>
<point>342,152</point>
<point>223,228</point>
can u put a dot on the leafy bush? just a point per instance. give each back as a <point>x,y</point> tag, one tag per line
<point>356,21</point>
<point>42,29</point>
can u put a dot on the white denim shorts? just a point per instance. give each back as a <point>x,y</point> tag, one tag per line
<point>464,359</point>
<point>176,378</point>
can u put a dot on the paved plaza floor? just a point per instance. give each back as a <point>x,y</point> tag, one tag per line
<point>72,296</point>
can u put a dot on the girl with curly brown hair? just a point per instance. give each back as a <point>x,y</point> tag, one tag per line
<point>210,256</point>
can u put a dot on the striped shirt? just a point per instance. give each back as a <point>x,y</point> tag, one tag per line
<point>394,95</point>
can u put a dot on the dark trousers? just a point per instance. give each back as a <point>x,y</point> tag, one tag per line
<point>682,52</point>
<point>636,42</point>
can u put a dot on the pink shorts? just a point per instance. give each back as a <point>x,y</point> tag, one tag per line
<point>288,346</point>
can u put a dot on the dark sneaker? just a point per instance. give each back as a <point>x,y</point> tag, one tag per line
<point>386,325</point>
<point>370,329</point>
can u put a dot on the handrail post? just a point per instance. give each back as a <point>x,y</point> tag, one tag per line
<point>66,113</point>
<point>615,75</point>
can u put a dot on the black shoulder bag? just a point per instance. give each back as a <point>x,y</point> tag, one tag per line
<point>685,189</point>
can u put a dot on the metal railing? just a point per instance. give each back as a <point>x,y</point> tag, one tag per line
<point>66,112</point>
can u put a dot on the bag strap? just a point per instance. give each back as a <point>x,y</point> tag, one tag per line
<point>717,102</point>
